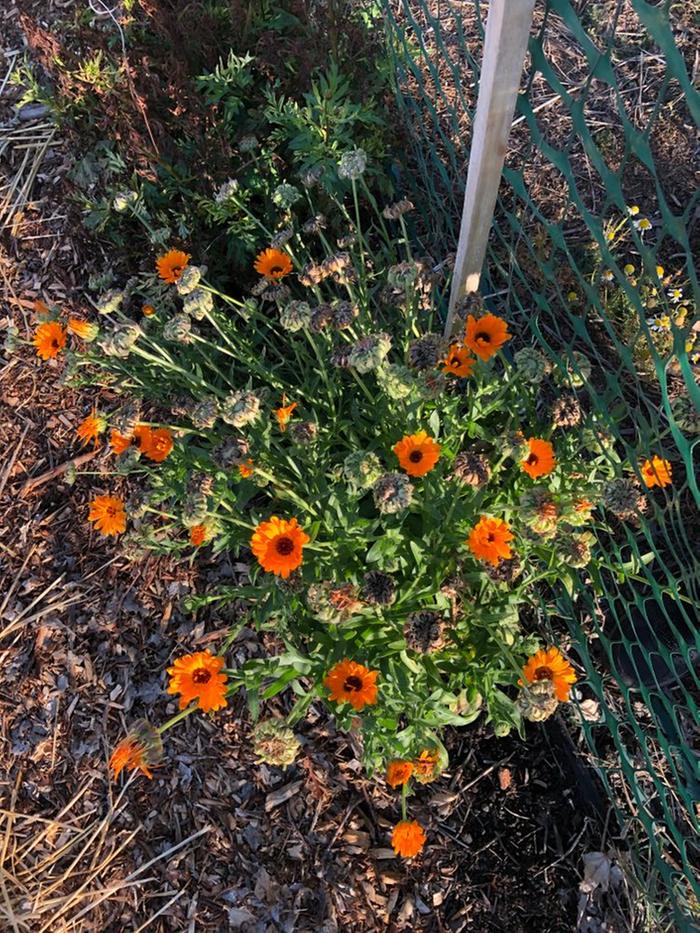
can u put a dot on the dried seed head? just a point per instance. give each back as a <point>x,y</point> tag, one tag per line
<point>321,317</point>
<point>285,195</point>
<point>471,468</point>
<point>392,493</point>
<point>623,497</point>
<point>110,301</point>
<point>312,176</point>
<point>178,329</point>
<point>315,225</point>
<point>396,380</point>
<point>369,352</point>
<point>506,571</point>
<point>282,238</point>
<point>404,275</point>
<point>338,262</point>
<point>226,191</point>
<point>278,293</point>
<point>394,211</point>
<point>232,452</point>
<point>339,356</point>
<point>577,372</point>
<point>361,469</point>
<point>248,143</point>
<point>537,701</point>
<point>240,408</point>
<point>295,316</point>
<point>532,365</point>
<point>343,313</point>
<point>424,632</point>
<point>205,413</point>
<point>427,351</point>
<point>274,743</point>
<point>126,419</point>
<point>352,164</point>
<point>378,589</point>
<point>575,549</point>
<point>303,432</point>
<point>198,303</point>
<point>566,411</point>
<point>539,511</point>
<point>259,287</point>
<point>189,280</point>
<point>312,274</point>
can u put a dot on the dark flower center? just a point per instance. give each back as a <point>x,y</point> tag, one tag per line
<point>532,460</point>
<point>415,456</point>
<point>482,337</point>
<point>455,361</point>
<point>352,684</point>
<point>201,675</point>
<point>276,270</point>
<point>543,673</point>
<point>490,537</point>
<point>284,546</point>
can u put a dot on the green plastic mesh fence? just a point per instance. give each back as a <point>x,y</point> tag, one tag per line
<point>599,193</point>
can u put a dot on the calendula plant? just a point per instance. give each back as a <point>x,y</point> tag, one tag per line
<point>399,500</point>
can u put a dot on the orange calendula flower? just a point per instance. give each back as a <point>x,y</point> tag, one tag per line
<point>171,266</point>
<point>148,310</point>
<point>458,361</point>
<point>108,515</point>
<point>417,453</point>
<point>90,428</point>
<point>198,677</point>
<point>398,772</point>
<point>278,544</point>
<point>246,469</point>
<point>657,472</point>
<point>273,264</point>
<point>548,664</point>
<point>141,749</point>
<point>119,442</point>
<point>284,413</point>
<point>49,339</point>
<point>488,540</point>
<point>154,443</point>
<point>540,460</point>
<point>198,535</point>
<point>83,329</point>
<point>408,838</point>
<point>350,682</point>
<point>486,335</point>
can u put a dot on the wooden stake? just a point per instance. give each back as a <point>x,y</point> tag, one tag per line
<point>507,32</point>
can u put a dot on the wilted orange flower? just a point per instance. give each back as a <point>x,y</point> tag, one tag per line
<point>408,838</point>
<point>107,515</point>
<point>273,264</point>
<point>141,749</point>
<point>540,460</point>
<point>154,443</point>
<point>458,361</point>
<point>41,308</point>
<point>353,683</point>
<point>246,469</point>
<point>656,472</point>
<point>90,428</point>
<point>198,677</point>
<point>486,335</point>
<point>119,442</point>
<point>583,505</point>
<point>49,339</point>
<point>488,540</point>
<point>398,772</point>
<point>148,310</point>
<point>284,413</point>
<point>277,544</point>
<point>548,664</point>
<point>198,535</point>
<point>417,453</point>
<point>83,329</point>
<point>426,765</point>
<point>171,266</point>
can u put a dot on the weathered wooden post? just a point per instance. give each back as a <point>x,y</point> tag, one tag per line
<point>507,31</point>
